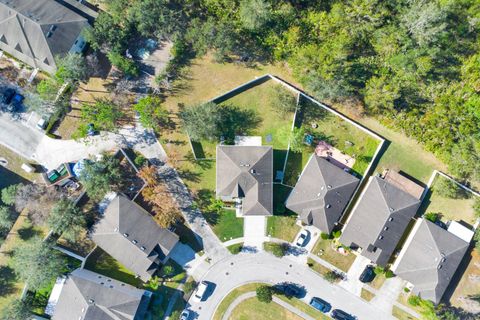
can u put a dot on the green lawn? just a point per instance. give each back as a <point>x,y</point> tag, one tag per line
<point>337,132</point>
<point>229,298</point>
<point>302,306</point>
<point>378,281</point>
<point>101,262</point>
<point>448,208</point>
<point>254,309</point>
<point>282,224</point>
<point>13,173</point>
<point>402,315</point>
<point>317,267</point>
<point>366,295</point>
<point>235,248</point>
<point>225,224</point>
<point>323,249</point>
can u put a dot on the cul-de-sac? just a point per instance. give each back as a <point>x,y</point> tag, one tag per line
<point>239,159</point>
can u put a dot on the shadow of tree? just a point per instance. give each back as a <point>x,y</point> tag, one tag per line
<point>204,198</point>
<point>7,280</point>
<point>27,233</point>
<point>189,175</point>
<point>237,121</point>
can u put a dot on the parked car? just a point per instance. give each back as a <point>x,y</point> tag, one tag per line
<point>303,238</point>
<point>199,293</point>
<point>368,274</point>
<point>15,103</point>
<point>185,315</point>
<point>290,290</point>
<point>91,130</point>
<point>342,315</point>
<point>43,122</point>
<point>8,95</point>
<point>320,304</point>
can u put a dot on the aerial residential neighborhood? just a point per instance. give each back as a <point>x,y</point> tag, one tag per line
<point>239,159</point>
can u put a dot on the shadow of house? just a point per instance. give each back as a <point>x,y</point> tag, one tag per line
<point>8,178</point>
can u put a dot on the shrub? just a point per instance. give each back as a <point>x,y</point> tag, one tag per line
<point>476,207</point>
<point>432,216</point>
<point>331,276</point>
<point>140,160</point>
<point>379,270</point>
<point>189,286</point>
<point>324,236</point>
<point>127,66</point>
<point>448,189</point>
<point>406,290</point>
<point>264,294</point>
<point>337,234</point>
<point>389,274</point>
<point>168,270</point>
<point>414,300</point>
<point>236,248</point>
<point>277,249</point>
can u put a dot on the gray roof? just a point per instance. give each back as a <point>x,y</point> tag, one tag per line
<point>430,260</point>
<point>370,227</point>
<point>87,295</point>
<point>246,172</point>
<point>322,193</point>
<point>37,31</point>
<point>128,233</point>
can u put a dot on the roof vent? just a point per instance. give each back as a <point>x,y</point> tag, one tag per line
<point>53,27</point>
<point>380,237</point>
<point>49,34</point>
<point>134,241</point>
<point>125,235</point>
<point>252,171</point>
<point>390,219</point>
<point>322,187</point>
<point>142,248</point>
<point>102,283</point>
<point>385,229</point>
<point>329,186</point>
<point>91,301</point>
<point>439,267</point>
<point>328,205</point>
<point>391,209</point>
<point>443,260</point>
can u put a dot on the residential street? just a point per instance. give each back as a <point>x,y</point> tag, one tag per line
<point>16,135</point>
<point>263,267</point>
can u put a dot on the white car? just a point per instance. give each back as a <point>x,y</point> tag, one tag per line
<point>200,292</point>
<point>185,315</point>
<point>303,238</point>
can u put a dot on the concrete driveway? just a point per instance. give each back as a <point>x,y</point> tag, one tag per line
<point>353,284</point>
<point>263,267</point>
<point>19,135</point>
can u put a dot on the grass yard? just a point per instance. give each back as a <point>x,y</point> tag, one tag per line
<point>302,306</point>
<point>317,267</point>
<point>229,298</point>
<point>366,295</point>
<point>378,281</point>
<point>323,249</point>
<point>21,231</point>
<point>254,309</point>
<point>13,173</point>
<point>448,208</point>
<point>282,224</point>
<point>468,285</point>
<point>226,225</point>
<point>101,262</point>
<point>402,315</point>
<point>235,248</point>
<point>337,132</point>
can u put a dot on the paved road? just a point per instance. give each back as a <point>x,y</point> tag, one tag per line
<point>263,267</point>
<point>17,136</point>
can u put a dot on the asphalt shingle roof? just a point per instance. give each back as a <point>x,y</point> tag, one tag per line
<point>379,220</point>
<point>128,233</point>
<point>86,295</point>
<point>322,193</point>
<point>246,172</point>
<point>430,260</point>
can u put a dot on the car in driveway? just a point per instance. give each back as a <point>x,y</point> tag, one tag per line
<point>338,314</point>
<point>43,122</point>
<point>303,238</point>
<point>15,103</point>
<point>368,274</point>
<point>8,95</point>
<point>200,292</point>
<point>320,304</point>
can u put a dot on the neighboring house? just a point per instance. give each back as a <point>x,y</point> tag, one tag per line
<point>430,258</point>
<point>321,193</point>
<point>381,216</point>
<point>37,31</point>
<point>245,175</point>
<point>88,295</point>
<point>128,233</point>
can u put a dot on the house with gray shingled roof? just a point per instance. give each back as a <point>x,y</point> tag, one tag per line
<point>88,295</point>
<point>36,32</point>
<point>129,234</point>
<point>321,194</point>
<point>379,220</point>
<point>429,259</point>
<point>245,175</point>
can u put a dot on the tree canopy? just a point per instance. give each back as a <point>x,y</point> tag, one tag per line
<point>100,177</point>
<point>66,219</point>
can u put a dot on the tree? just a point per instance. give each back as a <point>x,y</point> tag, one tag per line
<point>202,121</point>
<point>37,200</point>
<point>72,67</point>
<point>103,114</point>
<point>432,216</point>
<point>48,89</point>
<point>100,177</point>
<point>66,219</point>
<point>447,188</point>
<point>283,101</point>
<point>9,193</point>
<point>16,310</point>
<point>331,276</point>
<point>254,14</point>
<point>37,263</point>
<point>149,174</point>
<point>106,35</point>
<point>127,66</point>
<point>264,294</point>
<point>6,218</point>
<point>277,249</point>
<point>297,138</point>
<point>152,114</point>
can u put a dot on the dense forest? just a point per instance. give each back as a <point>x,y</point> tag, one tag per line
<point>414,64</point>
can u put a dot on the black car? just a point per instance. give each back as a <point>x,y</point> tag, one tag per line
<point>290,290</point>
<point>8,95</point>
<point>320,304</point>
<point>342,315</point>
<point>367,275</point>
